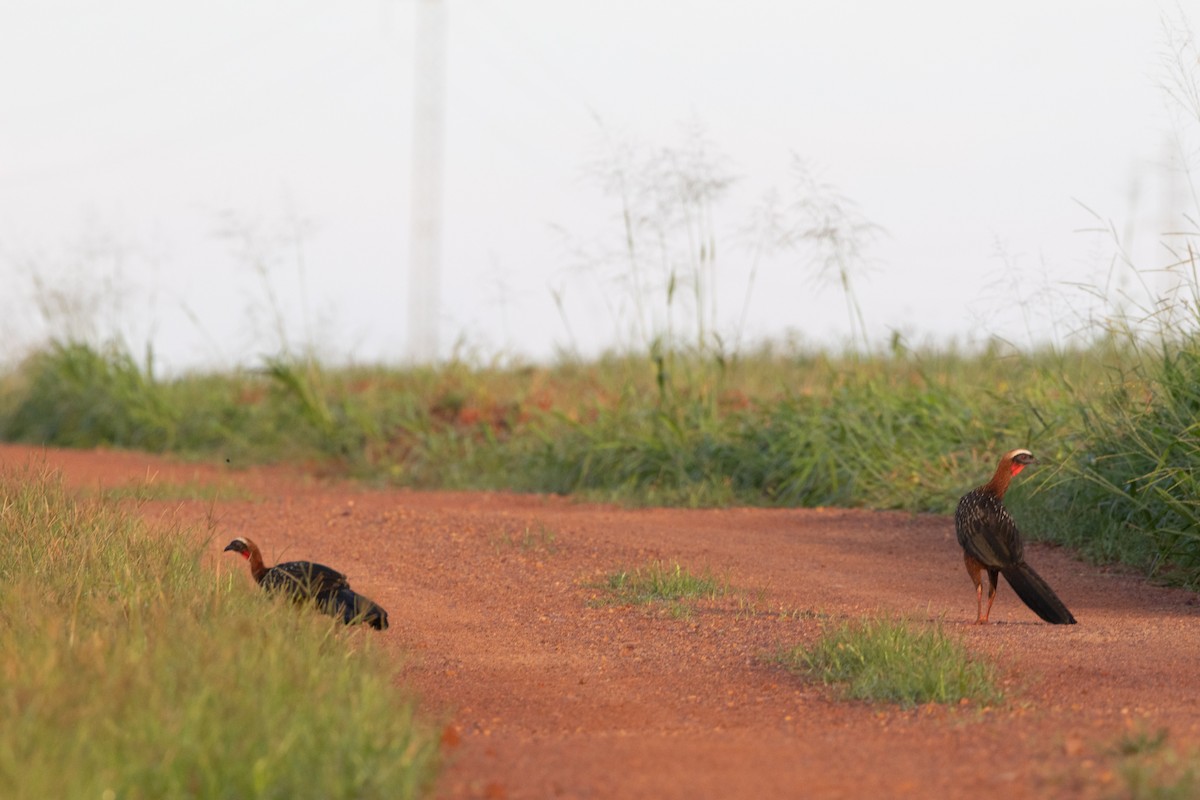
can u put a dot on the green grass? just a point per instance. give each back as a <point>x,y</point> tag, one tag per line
<point>1141,742</point>
<point>531,539</point>
<point>1152,770</point>
<point>1113,423</point>
<point>1123,485</point>
<point>1166,778</point>
<point>671,586</point>
<point>886,660</point>
<point>75,395</point>
<point>145,491</point>
<point>902,430</point>
<point>130,671</point>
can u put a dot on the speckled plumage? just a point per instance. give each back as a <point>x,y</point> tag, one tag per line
<point>986,531</point>
<point>305,581</point>
<point>991,542</point>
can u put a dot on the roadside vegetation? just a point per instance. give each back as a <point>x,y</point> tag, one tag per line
<point>902,430</point>
<point>1114,425</point>
<point>129,670</point>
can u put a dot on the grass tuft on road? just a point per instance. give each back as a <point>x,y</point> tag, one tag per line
<point>886,660</point>
<point>1152,770</point>
<point>659,583</point>
<point>131,671</point>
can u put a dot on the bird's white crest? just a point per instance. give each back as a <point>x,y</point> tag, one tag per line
<point>1020,451</point>
<point>242,540</point>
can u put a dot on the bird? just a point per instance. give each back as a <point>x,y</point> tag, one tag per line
<point>990,541</point>
<point>305,581</point>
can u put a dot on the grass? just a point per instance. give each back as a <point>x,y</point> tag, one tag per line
<point>130,671</point>
<point>1123,486</point>
<point>885,660</point>
<point>147,490</point>
<point>531,539</point>
<point>1152,770</point>
<point>754,603</point>
<point>902,430</point>
<point>1141,742</point>
<point>1113,423</point>
<point>1166,777</point>
<point>78,396</point>
<point>659,583</point>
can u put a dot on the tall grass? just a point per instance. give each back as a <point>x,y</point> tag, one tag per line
<point>1125,484</point>
<point>1113,424</point>
<point>899,430</point>
<point>80,396</point>
<point>907,431</point>
<point>130,671</point>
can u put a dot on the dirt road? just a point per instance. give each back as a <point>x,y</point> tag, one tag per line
<point>544,692</point>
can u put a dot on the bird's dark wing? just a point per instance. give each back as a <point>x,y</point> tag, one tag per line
<point>304,579</point>
<point>986,531</point>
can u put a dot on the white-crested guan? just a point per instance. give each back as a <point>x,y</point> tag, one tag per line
<point>990,541</point>
<point>304,581</point>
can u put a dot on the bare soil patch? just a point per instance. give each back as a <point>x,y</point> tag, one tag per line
<point>543,692</point>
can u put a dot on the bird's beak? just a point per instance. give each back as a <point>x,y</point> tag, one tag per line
<point>230,546</point>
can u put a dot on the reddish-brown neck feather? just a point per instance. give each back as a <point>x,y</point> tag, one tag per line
<point>1005,470</point>
<point>254,556</point>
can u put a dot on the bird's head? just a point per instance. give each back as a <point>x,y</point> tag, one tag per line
<point>1019,459</point>
<point>240,545</point>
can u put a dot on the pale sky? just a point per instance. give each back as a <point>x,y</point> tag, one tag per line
<point>216,177</point>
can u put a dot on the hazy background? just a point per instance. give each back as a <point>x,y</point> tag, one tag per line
<point>222,178</point>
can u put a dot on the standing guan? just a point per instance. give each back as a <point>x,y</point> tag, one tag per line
<point>990,541</point>
<point>304,581</point>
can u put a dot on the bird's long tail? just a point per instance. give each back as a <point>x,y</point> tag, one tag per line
<point>1037,594</point>
<point>353,607</point>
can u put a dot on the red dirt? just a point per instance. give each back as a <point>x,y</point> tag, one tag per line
<point>544,694</point>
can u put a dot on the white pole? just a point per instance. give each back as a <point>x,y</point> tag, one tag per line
<point>429,122</point>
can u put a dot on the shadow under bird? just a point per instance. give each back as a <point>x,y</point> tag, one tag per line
<point>305,581</point>
<point>990,541</point>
